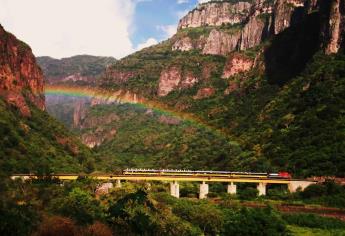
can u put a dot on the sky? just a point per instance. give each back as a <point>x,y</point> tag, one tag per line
<point>64,28</point>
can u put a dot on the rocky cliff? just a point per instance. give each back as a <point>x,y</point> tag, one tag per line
<point>21,79</point>
<point>242,25</point>
<point>216,14</point>
<point>235,25</point>
<point>335,27</point>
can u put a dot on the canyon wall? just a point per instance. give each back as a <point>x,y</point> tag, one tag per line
<point>21,80</point>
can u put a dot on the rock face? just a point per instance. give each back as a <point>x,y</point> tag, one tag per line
<point>283,12</point>
<point>336,28</point>
<point>251,24</point>
<point>220,43</point>
<point>184,44</point>
<point>253,33</point>
<point>172,79</point>
<point>79,113</point>
<point>215,14</point>
<point>98,137</point>
<point>169,81</point>
<point>21,79</point>
<point>237,64</point>
<point>247,25</point>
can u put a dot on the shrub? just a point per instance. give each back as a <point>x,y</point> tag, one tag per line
<point>315,190</point>
<point>257,222</point>
<point>248,193</point>
<point>79,205</point>
<point>313,221</point>
<point>57,225</point>
<point>16,219</point>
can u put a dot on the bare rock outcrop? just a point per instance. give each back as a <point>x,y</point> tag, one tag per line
<point>21,79</point>
<point>221,43</point>
<point>79,113</point>
<point>103,188</point>
<point>169,81</point>
<point>184,44</point>
<point>98,137</point>
<point>253,33</point>
<point>172,79</point>
<point>283,13</point>
<point>236,64</point>
<point>215,14</point>
<point>336,28</point>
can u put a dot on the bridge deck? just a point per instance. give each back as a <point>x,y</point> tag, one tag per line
<point>172,178</point>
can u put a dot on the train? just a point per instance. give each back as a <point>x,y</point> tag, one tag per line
<point>213,173</point>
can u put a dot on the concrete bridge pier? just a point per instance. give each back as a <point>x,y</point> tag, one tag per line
<point>118,183</point>
<point>203,190</point>
<point>232,188</point>
<point>175,189</point>
<point>294,185</point>
<point>262,189</point>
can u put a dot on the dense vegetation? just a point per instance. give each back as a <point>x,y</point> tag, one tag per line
<point>38,144</point>
<point>156,140</point>
<point>48,208</point>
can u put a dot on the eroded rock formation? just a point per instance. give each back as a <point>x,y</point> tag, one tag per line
<point>236,64</point>
<point>215,14</point>
<point>336,28</point>
<point>21,80</point>
<point>172,79</point>
<point>220,43</point>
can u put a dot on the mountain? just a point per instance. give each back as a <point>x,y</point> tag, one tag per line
<point>266,77</point>
<point>80,70</point>
<point>31,140</point>
<point>77,69</point>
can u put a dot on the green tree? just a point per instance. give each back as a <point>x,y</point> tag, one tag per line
<point>259,222</point>
<point>80,206</point>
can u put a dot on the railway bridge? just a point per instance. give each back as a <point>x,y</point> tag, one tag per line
<point>203,179</point>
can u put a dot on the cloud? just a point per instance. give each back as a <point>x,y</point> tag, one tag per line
<point>149,42</point>
<point>182,1</point>
<point>62,28</point>
<point>169,30</point>
<point>203,1</point>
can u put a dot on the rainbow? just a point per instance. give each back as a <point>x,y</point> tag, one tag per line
<point>127,97</point>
